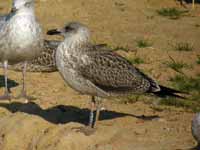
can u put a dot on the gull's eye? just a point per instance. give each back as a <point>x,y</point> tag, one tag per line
<point>67,29</point>
<point>28,4</point>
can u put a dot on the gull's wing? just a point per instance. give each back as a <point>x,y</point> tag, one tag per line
<point>114,74</point>
<point>44,63</point>
<point>4,30</point>
<point>2,19</point>
<point>47,57</point>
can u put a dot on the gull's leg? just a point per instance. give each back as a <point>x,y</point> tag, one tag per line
<point>98,109</point>
<point>91,118</point>
<point>23,92</point>
<point>6,95</point>
<point>88,130</point>
<point>193,4</point>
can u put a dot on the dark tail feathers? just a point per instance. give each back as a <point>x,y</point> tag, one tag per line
<point>165,91</point>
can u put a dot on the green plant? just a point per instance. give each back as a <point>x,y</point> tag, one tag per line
<point>187,84</point>
<point>126,49</point>
<point>136,60</point>
<point>177,66</point>
<point>105,46</point>
<point>172,13</point>
<point>183,46</point>
<point>142,43</point>
<point>198,59</point>
<point>188,104</point>
<point>129,99</point>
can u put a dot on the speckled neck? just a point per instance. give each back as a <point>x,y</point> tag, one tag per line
<point>75,42</point>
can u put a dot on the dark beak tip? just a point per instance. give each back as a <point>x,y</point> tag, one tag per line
<point>53,32</point>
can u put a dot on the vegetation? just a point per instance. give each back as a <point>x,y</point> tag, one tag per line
<point>181,103</point>
<point>177,66</point>
<point>187,84</point>
<point>130,99</point>
<point>126,49</point>
<point>198,59</point>
<point>109,47</point>
<point>136,60</point>
<point>183,46</point>
<point>142,43</point>
<point>171,13</point>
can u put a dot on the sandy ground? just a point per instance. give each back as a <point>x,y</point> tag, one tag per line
<point>48,122</point>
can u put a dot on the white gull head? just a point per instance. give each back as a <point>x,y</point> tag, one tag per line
<point>22,4</point>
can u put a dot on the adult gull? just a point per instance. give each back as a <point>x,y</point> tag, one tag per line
<point>21,39</point>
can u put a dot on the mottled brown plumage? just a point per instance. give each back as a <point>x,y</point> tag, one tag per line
<point>44,63</point>
<point>99,72</point>
<point>115,75</point>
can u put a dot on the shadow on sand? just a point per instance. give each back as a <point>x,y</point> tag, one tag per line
<point>11,83</point>
<point>65,114</point>
<point>195,148</point>
<point>187,1</point>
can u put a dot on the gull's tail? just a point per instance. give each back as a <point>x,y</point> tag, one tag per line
<point>165,91</point>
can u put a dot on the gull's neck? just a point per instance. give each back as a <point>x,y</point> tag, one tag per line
<point>74,42</point>
<point>25,11</point>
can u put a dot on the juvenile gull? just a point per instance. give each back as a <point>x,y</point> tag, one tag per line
<point>20,38</point>
<point>46,61</point>
<point>196,129</point>
<point>99,73</point>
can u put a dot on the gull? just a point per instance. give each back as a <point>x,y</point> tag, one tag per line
<point>99,73</point>
<point>196,129</point>
<point>21,39</point>
<point>46,61</point>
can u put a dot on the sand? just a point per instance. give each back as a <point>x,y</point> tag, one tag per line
<point>49,122</point>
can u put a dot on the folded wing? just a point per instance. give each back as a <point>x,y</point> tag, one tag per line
<point>114,74</point>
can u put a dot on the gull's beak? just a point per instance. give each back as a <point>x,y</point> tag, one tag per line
<point>13,10</point>
<point>54,32</point>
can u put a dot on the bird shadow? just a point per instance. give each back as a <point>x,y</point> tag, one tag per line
<point>196,147</point>
<point>187,1</point>
<point>62,114</point>
<point>11,83</point>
